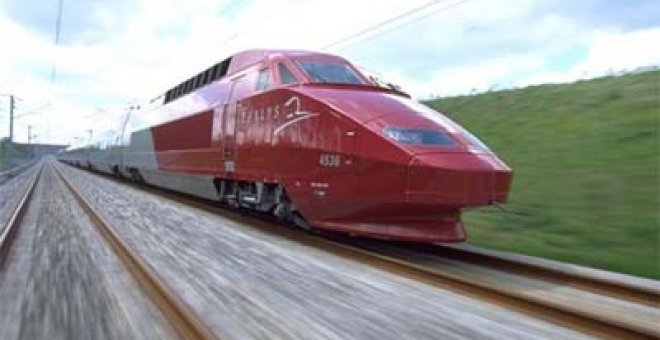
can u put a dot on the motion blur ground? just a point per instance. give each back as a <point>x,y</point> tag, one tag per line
<point>240,281</point>
<point>587,178</point>
<point>59,280</point>
<point>596,315</point>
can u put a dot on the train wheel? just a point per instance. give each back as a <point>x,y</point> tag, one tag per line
<point>136,176</point>
<point>116,172</point>
<point>300,222</point>
<point>285,211</point>
<point>283,207</point>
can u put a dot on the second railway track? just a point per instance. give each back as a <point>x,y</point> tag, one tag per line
<point>179,316</point>
<point>10,229</point>
<point>592,302</point>
<point>593,281</point>
<point>575,312</point>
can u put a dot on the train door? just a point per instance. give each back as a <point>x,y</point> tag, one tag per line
<point>229,128</point>
<point>337,176</point>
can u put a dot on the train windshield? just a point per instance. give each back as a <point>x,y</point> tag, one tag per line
<point>324,72</point>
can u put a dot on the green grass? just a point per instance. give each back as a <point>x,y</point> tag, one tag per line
<point>586,160</point>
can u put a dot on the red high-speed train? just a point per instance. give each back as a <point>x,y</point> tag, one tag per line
<point>309,138</point>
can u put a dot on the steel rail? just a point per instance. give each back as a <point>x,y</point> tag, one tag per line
<point>10,229</point>
<point>573,316</point>
<point>636,293</point>
<point>180,316</point>
<point>586,321</point>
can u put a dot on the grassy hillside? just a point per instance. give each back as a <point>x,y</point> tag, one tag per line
<point>586,160</point>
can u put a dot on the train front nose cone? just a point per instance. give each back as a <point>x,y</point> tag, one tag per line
<point>457,179</point>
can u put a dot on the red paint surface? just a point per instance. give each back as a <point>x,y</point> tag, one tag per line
<point>184,145</point>
<point>381,189</point>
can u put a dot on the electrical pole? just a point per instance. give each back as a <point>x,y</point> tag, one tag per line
<point>29,134</point>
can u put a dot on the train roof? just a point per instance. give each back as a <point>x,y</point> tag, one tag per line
<point>227,66</point>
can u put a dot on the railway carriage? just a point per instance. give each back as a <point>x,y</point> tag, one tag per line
<point>309,138</point>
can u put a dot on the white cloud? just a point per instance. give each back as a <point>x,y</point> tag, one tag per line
<point>608,52</point>
<point>622,51</point>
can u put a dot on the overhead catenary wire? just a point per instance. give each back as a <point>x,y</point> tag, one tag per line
<point>56,42</point>
<point>34,110</point>
<point>408,13</point>
<point>242,31</point>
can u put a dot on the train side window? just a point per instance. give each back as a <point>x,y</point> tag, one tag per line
<point>263,81</point>
<point>198,81</point>
<point>215,70</point>
<point>286,76</point>
<point>224,67</point>
<point>207,77</point>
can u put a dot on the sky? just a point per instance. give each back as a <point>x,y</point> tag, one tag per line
<point>112,54</point>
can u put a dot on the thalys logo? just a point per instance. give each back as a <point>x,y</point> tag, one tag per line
<point>293,114</point>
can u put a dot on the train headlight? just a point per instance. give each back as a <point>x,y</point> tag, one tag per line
<point>419,136</point>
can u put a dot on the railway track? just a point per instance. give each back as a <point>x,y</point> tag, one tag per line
<point>10,229</point>
<point>419,263</point>
<point>572,311</point>
<point>180,317</point>
<point>591,302</point>
<point>598,283</point>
